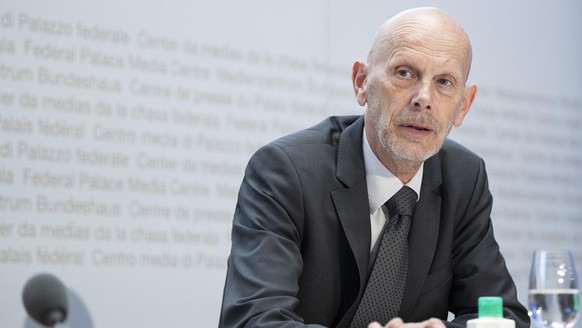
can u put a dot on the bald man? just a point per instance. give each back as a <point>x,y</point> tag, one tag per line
<point>310,213</point>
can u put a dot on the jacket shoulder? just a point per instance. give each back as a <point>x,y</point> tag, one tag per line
<point>453,152</point>
<point>324,132</point>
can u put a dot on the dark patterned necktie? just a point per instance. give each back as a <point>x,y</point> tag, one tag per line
<point>383,294</point>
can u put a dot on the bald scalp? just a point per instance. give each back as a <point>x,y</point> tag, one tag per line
<point>416,24</point>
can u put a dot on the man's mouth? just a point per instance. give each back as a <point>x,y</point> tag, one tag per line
<point>418,127</point>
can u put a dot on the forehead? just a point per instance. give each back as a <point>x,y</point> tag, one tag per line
<point>422,57</point>
<point>426,43</point>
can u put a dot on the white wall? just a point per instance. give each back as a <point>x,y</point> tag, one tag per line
<point>125,128</point>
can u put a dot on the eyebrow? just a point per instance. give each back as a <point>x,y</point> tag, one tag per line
<point>398,59</point>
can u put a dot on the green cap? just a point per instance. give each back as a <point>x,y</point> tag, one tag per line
<point>490,306</point>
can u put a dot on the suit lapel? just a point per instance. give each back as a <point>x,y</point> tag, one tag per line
<point>424,233</point>
<point>352,202</point>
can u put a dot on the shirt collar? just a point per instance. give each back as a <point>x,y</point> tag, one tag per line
<point>382,184</point>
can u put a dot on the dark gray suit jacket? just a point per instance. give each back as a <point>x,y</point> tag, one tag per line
<point>301,236</point>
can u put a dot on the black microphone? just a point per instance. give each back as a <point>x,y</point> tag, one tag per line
<point>45,299</point>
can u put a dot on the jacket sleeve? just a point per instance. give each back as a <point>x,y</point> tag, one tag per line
<point>478,266</point>
<point>265,261</point>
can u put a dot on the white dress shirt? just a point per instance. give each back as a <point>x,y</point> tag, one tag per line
<point>382,185</point>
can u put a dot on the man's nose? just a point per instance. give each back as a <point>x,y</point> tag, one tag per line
<point>422,97</point>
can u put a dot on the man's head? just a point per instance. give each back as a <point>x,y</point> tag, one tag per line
<point>414,85</point>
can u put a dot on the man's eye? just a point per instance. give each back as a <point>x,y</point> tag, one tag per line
<point>403,73</point>
<point>444,82</point>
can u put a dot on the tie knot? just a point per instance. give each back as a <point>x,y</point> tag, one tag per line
<point>402,203</point>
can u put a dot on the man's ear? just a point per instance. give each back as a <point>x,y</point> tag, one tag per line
<point>359,76</point>
<point>468,98</point>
